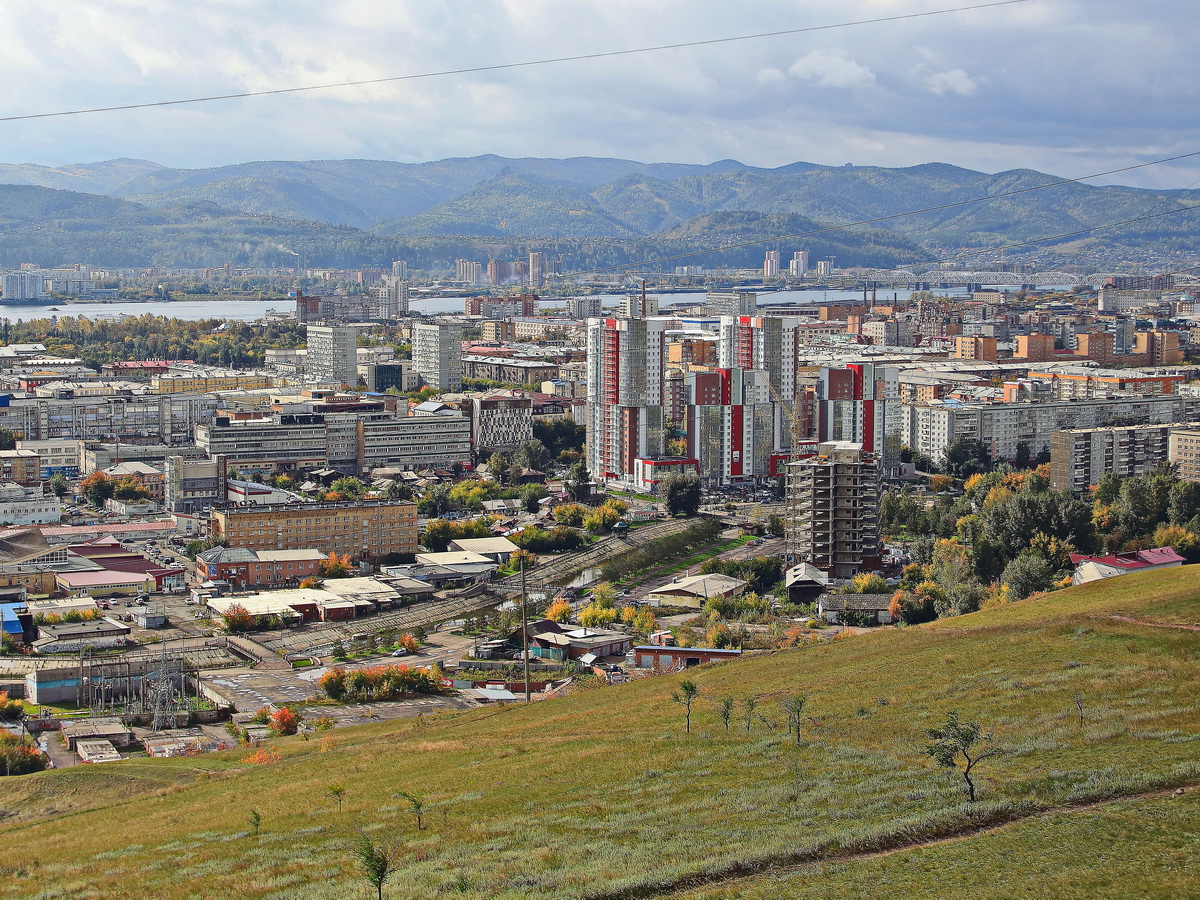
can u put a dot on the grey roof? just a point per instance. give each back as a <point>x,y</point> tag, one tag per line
<point>869,602</point>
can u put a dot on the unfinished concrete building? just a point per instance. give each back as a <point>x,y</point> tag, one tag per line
<point>833,510</point>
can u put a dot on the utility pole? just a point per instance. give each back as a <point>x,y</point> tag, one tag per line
<point>524,629</point>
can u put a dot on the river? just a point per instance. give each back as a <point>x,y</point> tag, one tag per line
<point>252,310</point>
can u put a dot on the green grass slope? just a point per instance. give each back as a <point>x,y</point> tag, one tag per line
<point>603,795</point>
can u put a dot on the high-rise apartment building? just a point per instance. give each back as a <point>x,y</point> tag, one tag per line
<point>333,353</point>
<point>824,268</point>
<point>771,264</point>
<point>798,267</point>
<point>392,297</point>
<point>833,510</point>
<point>537,268</point>
<point>437,354</point>
<point>729,423</point>
<point>468,271</point>
<point>399,269</point>
<point>1034,347</point>
<point>1080,456</point>
<point>24,286</point>
<point>860,404</point>
<point>767,343</point>
<point>625,394</point>
<point>584,307</point>
<point>1183,449</point>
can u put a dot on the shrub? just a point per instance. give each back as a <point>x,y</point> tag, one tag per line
<point>263,757</point>
<point>390,682</point>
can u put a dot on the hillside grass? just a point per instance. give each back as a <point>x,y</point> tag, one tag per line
<point>1122,849</point>
<point>603,795</point>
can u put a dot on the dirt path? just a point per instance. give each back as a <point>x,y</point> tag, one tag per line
<point>1181,625</point>
<point>786,866</point>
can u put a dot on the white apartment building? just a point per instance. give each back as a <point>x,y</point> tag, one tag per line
<point>391,296</point>
<point>437,354</point>
<point>730,303</point>
<point>24,286</point>
<point>930,427</point>
<point>333,353</point>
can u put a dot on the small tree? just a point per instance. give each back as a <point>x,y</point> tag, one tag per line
<point>238,618</point>
<point>59,486</point>
<point>416,803</point>
<point>337,791</point>
<point>955,739</point>
<point>726,711</point>
<point>686,696</point>
<point>793,708</point>
<point>377,861</point>
<point>285,721</point>
<point>751,704</point>
<point>255,821</point>
<point>1078,698</point>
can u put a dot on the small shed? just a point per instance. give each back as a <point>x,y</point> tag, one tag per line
<point>96,752</point>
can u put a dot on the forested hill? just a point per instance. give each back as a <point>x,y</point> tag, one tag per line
<point>619,199</point>
<point>51,227</point>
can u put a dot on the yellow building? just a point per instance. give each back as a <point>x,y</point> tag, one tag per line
<point>364,529</point>
<point>179,383</point>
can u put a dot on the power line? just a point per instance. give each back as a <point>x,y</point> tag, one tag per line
<point>912,212</point>
<point>608,54</point>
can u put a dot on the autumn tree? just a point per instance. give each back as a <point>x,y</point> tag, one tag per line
<point>593,616</point>
<point>335,566</point>
<point>96,488</point>
<point>285,721</point>
<point>559,611</point>
<point>604,595</point>
<point>237,618</point>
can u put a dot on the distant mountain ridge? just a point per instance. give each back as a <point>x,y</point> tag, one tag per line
<point>493,198</point>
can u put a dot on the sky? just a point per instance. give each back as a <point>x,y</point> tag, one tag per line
<point>1069,87</point>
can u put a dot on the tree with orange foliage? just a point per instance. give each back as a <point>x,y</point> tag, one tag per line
<point>335,566</point>
<point>285,721</point>
<point>237,618</point>
<point>96,488</point>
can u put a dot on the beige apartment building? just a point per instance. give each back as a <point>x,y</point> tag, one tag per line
<point>364,529</point>
<point>1184,451</point>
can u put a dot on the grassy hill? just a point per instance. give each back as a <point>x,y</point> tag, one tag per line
<point>602,794</point>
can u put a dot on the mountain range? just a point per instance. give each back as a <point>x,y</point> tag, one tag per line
<point>362,212</point>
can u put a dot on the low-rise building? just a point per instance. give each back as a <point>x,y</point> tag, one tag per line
<point>1094,568</point>
<point>258,568</point>
<point>28,506</point>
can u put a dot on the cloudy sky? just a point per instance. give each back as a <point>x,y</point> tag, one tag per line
<point>1069,87</point>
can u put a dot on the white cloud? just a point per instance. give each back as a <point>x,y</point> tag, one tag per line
<point>955,81</point>
<point>826,68</point>
<point>771,76</point>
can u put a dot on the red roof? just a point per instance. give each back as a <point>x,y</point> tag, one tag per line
<point>1134,559</point>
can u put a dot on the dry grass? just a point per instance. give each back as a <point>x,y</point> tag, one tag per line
<point>601,794</point>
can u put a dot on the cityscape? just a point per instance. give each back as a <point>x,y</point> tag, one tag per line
<point>569,526</point>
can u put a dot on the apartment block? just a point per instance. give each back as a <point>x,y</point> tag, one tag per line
<point>332,353</point>
<point>55,457</point>
<point>1000,427</point>
<point>730,425</point>
<point>731,303</point>
<point>1183,449</point>
<point>1034,347</point>
<point>833,515</point>
<point>1080,456</point>
<point>437,354</point>
<point>975,347</point>
<point>625,394</point>
<point>364,529</point>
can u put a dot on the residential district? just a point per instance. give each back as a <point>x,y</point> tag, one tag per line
<point>401,513</point>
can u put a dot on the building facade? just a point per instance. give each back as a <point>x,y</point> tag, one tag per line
<point>333,353</point>
<point>437,354</point>
<point>364,529</point>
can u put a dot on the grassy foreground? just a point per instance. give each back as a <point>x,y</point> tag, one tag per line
<point>603,795</point>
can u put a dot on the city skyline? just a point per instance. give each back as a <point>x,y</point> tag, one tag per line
<point>1029,85</point>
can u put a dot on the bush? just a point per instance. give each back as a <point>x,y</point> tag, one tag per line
<point>285,721</point>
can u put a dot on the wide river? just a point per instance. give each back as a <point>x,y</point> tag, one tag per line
<point>251,310</point>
